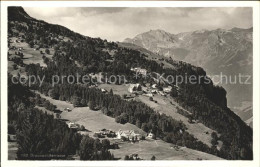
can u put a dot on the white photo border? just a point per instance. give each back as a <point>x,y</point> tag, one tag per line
<point>169,163</point>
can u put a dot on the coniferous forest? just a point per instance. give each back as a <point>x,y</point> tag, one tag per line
<point>40,134</point>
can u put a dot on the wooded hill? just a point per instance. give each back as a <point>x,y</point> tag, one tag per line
<point>206,102</point>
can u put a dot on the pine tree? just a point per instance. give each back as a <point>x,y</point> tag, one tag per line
<point>91,105</point>
<point>24,138</point>
<point>153,158</point>
<point>111,92</point>
<point>76,101</point>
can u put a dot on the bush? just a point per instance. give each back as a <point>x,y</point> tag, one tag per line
<point>105,144</point>
<point>214,142</point>
<point>124,138</point>
<point>126,157</point>
<point>91,105</point>
<point>114,146</point>
<point>82,128</point>
<point>47,51</point>
<point>124,96</point>
<point>214,135</point>
<point>111,135</point>
<point>15,66</point>
<point>179,143</point>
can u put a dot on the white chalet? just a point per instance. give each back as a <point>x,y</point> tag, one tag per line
<point>154,86</point>
<point>139,70</point>
<point>67,109</point>
<point>72,125</point>
<point>134,88</point>
<point>148,94</point>
<point>161,93</point>
<point>103,90</point>
<point>129,134</point>
<point>150,135</point>
<point>167,89</point>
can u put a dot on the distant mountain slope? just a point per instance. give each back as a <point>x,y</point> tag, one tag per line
<point>226,51</point>
<point>200,47</point>
<point>245,112</point>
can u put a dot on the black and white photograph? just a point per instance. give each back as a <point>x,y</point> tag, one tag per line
<point>129,84</point>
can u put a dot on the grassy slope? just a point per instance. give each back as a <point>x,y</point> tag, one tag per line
<point>161,150</point>
<point>95,121</point>
<point>164,105</point>
<point>12,149</point>
<point>92,120</point>
<point>30,55</point>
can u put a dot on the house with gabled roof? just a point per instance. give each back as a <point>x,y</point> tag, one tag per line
<point>129,134</point>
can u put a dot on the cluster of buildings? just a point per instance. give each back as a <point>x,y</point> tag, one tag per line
<point>104,132</point>
<point>149,91</point>
<point>134,157</point>
<point>18,40</point>
<point>135,88</point>
<point>131,135</point>
<point>12,138</point>
<point>139,70</point>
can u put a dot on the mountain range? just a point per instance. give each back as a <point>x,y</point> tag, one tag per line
<point>220,52</point>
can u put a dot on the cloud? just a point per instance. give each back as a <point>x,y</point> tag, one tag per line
<point>116,24</point>
<point>98,10</point>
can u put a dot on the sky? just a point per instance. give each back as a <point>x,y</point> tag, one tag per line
<point>116,24</point>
